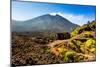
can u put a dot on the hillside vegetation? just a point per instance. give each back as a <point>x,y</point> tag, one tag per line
<point>80,47</point>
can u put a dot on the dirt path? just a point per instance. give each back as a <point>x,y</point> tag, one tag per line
<point>89,56</point>
<point>61,41</point>
<point>56,42</point>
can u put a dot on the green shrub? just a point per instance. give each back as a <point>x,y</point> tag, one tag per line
<point>93,50</point>
<point>69,56</point>
<point>82,48</point>
<point>88,46</point>
<point>87,34</point>
<point>90,42</point>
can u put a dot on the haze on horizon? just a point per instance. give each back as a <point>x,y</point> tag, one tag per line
<point>78,14</point>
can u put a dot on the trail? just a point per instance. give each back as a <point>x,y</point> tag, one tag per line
<point>89,56</point>
<point>61,41</point>
<point>57,42</point>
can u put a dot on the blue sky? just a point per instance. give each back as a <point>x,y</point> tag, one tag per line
<point>75,13</point>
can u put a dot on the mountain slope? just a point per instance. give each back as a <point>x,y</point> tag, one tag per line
<point>42,23</point>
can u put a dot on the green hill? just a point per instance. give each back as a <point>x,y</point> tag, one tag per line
<point>80,47</point>
<point>91,26</point>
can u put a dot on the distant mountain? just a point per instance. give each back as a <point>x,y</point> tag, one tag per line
<point>48,23</point>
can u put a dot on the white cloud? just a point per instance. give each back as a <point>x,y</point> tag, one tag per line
<point>77,19</point>
<point>53,14</point>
